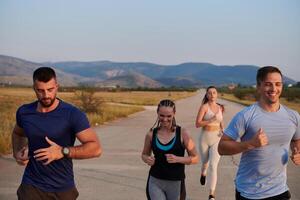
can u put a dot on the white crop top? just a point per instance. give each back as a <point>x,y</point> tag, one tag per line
<point>210,114</point>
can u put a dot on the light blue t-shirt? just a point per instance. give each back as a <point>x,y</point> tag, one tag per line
<point>262,171</point>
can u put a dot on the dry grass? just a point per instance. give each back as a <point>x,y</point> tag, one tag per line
<point>140,97</point>
<point>12,98</point>
<point>230,97</point>
<point>112,112</point>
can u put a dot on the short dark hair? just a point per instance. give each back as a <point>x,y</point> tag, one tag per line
<point>44,74</point>
<point>264,71</point>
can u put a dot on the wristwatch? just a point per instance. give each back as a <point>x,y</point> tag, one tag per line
<point>65,151</point>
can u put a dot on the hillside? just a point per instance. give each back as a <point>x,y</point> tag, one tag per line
<point>15,71</point>
<point>131,80</point>
<point>182,75</point>
<point>131,74</point>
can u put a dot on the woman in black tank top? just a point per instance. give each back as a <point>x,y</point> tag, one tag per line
<point>168,143</point>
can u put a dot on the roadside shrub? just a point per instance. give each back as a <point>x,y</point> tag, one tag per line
<point>291,94</point>
<point>245,93</point>
<point>88,102</point>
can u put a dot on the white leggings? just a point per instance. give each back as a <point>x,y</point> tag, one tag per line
<point>208,148</point>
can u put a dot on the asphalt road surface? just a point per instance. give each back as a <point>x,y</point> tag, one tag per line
<point>120,174</point>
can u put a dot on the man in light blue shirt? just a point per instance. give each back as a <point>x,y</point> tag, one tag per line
<point>265,130</point>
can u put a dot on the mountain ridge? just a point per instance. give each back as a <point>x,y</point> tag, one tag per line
<point>131,74</point>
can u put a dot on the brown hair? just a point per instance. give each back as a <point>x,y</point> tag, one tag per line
<point>264,71</point>
<point>205,99</point>
<point>166,103</point>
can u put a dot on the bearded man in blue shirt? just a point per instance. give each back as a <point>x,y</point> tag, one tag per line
<point>43,140</point>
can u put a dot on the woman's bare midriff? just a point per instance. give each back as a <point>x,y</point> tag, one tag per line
<point>211,128</point>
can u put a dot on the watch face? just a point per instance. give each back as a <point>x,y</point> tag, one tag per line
<point>66,151</point>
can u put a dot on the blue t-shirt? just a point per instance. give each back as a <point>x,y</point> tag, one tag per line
<point>262,171</point>
<point>61,126</point>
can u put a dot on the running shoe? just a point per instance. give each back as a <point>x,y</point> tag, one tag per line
<point>202,180</point>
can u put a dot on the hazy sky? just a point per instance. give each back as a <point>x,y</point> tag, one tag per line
<point>222,32</point>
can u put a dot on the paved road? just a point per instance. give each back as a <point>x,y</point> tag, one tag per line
<point>121,175</point>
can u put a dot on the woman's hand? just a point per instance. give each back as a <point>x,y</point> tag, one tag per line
<point>150,160</point>
<point>171,158</point>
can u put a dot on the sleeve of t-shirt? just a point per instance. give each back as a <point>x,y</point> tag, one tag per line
<point>297,133</point>
<point>236,127</point>
<point>18,118</point>
<point>79,121</point>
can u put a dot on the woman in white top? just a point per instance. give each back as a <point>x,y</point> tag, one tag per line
<point>210,118</point>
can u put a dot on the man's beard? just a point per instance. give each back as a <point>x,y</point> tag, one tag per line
<point>47,102</point>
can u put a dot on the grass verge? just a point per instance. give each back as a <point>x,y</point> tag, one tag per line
<point>295,105</point>
<point>12,98</point>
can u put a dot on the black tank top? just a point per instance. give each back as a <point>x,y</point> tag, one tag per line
<point>161,168</point>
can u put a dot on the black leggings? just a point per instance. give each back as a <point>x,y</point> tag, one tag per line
<point>284,196</point>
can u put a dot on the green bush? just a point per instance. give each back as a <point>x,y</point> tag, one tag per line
<point>291,94</point>
<point>88,102</point>
<point>248,93</point>
<point>245,93</point>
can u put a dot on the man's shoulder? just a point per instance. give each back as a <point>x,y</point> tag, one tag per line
<point>66,105</point>
<point>249,110</point>
<point>290,112</point>
<point>246,114</point>
<point>70,107</point>
<point>28,107</point>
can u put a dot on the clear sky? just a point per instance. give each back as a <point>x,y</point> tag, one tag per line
<point>222,32</point>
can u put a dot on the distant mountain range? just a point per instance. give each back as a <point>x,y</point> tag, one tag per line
<point>130,74</point>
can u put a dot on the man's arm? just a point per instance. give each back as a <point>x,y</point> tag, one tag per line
<point>295,147</point>
<point>20,145</point>
<point>228,146</point>
<point>90,147</point>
